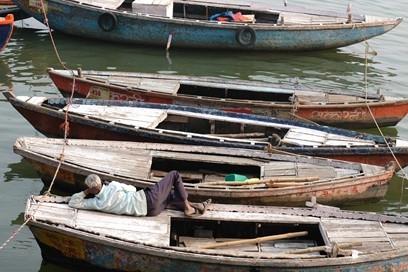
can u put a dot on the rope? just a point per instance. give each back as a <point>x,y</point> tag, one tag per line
<point>65,127</point>
<point>405,176</point>
<point>51,37</point>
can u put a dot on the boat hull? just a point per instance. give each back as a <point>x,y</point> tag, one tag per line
<point>350,115</point>
<point>141,29</point>
<point>72,248</point>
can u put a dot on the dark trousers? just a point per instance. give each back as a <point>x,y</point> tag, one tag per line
<point>161,195</point>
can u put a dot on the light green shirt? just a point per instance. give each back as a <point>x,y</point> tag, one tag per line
<point>115,198</point>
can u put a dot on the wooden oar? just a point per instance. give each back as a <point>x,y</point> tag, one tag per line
<point>262,181</point>
<point>255,240</point>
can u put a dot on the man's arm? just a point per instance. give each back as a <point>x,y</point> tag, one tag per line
<point>78,201</point>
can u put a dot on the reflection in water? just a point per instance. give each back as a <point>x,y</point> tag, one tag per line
<point>19,219</point>
<point>388,131</point>
<point>391,202</point>
<point>32,54</point>
<point>5,74</point>
<point>20,170</point>
<point>51,267</point>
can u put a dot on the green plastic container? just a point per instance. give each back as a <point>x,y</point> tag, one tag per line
<point>235,177</point>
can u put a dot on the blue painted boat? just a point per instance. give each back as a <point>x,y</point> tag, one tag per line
<point>6,29</point>
<point>276,239</point>
<point>190,24</point>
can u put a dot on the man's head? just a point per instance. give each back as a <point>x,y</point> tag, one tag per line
<point>94,184</point>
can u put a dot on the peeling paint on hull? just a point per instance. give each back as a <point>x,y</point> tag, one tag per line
<point>59,246</point>
<point>82,20</point>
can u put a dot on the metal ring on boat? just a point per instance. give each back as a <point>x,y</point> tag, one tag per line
<point>246,36</point>
<point>107,21</point>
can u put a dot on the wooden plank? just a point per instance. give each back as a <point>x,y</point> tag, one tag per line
<point>398,236</point>
<point>349,222</point>
<point>259,217</point>
<point>129,163</point>
<point>150,84</point>
<point>56,213</point>
<point>359,239</point>
<point>400,244</point>
<point>298,169</point>
<point>146,224</point>
<point>151,230</point>
<point>395,228</point>
<point>204,158</point>
<point>353,234</point>
<point>133,116</point>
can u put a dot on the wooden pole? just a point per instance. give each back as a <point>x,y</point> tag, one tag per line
<point>255,240</point>
<point>322,248</point>
<point>263,181</point>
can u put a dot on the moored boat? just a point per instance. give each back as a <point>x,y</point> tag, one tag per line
<point>259,239</point>
<point>208,24</point>
<point>138,121</point>
<point>6,29</point>
<point>273,179</point>
<point>323,106</point>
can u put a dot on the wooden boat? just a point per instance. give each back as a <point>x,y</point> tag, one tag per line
<point>226,238</point>
<point>166,123</point>
<point>283,179</point>
<point>329,107</point>
<point>6,29</point>
<point>189,23</point>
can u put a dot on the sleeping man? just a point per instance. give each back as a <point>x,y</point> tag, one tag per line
<point>119,198</point>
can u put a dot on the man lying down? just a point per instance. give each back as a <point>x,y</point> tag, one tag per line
<point>119,198</point>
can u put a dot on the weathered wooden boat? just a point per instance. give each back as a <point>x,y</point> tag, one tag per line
<point>167,123</point>
<point>225,238</point>
<point>6,29</point>
<point>190,23</point>
<point>329,107</point>
<point>282,179</point>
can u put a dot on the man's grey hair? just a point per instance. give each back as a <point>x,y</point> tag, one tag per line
<point>93,181</point>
